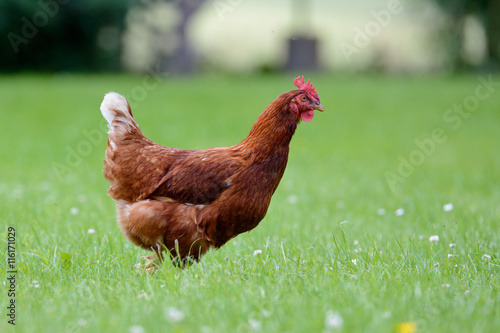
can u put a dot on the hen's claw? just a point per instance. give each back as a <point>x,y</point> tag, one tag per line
<point>151,263</point>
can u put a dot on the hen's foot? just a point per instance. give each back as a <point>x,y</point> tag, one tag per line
<point>151,263</point>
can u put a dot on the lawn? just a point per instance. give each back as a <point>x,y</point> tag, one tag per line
<point>348,242</point>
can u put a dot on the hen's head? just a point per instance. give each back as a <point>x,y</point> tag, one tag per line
<point>306,101</point>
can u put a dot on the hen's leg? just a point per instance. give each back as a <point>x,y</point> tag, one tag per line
<point>151,262</point>
<point>157,224</point>
<point>144,225</point>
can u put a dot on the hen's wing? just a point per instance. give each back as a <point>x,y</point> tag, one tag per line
<point>135,165</point>
<point>199,176</point>
<point>138,168</point>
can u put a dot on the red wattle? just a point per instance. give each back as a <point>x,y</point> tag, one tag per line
<point>307,116</point>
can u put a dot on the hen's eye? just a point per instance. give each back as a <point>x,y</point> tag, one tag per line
<point>304,98</point>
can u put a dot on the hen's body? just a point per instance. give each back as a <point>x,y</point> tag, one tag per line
<point>190,200</point>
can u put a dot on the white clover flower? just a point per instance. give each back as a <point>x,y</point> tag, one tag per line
<point>136,329</point>
<point>74,210</point>
<point>450,255</point>
<point>82,322</point>
<point>399,212</point>
<point>91,231</point>
<point>257,252</point>
<point>486,256</point>
<point>35,284</point>
<point>174,315</point>
<point>381,211</point>
<point>355,242</point>
<point>143,294</point>
<point>17,192</point>
<point>445,285</point>
<point>452,245</point>
<point>354,261</point>
<point>255,324</point>
<point>448,207</point>
<point>44,186</point>
<point>434,239</point>
<point>293,199</point>
<point>333,320</point>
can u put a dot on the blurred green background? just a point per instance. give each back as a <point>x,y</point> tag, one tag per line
<point>189,36</point>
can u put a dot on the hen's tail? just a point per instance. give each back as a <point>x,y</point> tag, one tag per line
<point>116,110</point>
<point>124,166</point>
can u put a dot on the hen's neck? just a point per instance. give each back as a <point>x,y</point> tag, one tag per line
<point>271,134</point>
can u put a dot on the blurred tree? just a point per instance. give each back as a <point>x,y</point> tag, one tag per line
<point>61,35</point>
<point>157,36</point>
<point>493,30</point>
<point>488,12</point>
<point>183,61</point>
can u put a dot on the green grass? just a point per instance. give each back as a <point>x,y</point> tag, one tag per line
<point>325,249</point>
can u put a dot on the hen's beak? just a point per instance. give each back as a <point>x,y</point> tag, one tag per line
<point>318,106</point>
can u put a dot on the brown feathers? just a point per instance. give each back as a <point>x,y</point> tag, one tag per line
<point>190,200</point>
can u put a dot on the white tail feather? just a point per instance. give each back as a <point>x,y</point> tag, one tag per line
<point>116,111</point>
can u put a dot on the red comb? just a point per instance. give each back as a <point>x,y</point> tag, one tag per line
<point>307,87</point>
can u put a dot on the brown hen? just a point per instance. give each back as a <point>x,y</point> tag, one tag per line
<point>186,201</point>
